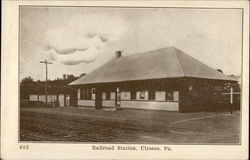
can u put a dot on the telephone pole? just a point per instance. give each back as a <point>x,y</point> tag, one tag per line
<point>46,67</point>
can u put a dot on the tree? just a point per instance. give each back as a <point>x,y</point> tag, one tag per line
<point>27,80</point>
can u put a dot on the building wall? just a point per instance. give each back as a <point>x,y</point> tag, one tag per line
<point>139,103</point>
<point>89,103</point>
<point>42,98</point>
<point>50,98</point>
<point>108,103</point>
<point>192,95</point>
<point>153,105</point>
<point>203,95</point>
<point>33,97</point>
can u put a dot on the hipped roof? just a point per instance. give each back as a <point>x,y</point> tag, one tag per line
<point>157,64</point>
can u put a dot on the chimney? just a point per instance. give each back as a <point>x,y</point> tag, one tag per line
<point>64,76</point>
<point>118,54</point>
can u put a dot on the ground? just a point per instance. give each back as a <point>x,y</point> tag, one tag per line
<point>78,124</point>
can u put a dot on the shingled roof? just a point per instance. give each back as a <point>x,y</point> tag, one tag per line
<point>157,64</point>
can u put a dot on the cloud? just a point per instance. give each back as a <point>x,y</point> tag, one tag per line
<point>82,39</point>
<point>70,48</point>
<point>66,42</point>
<point>77,57</point>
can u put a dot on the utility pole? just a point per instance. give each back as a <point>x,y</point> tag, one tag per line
<point>46,67</point>
<point>231,100</point>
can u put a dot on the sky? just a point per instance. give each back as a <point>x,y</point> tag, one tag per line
<point>80,39</point>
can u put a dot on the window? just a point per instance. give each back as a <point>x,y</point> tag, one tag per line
<point>85,94</point>
<point>93,90</point>
<point>133,95</point>
<point>103,95</point>
<point>88,94</point>
<point>93,93</point>
<point>107,95</point>
<point>176,95</point>
<point>82,94</point>
<point>160,96</point>
<point>112,95</point>
<point>142,95</point>
<point>125,95</point>
<point>78,93</point>
<point>169,96</point>
<point>151,95</point>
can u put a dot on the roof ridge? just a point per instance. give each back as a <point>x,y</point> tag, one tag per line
<point>178,62</point>
<point>144,52</point>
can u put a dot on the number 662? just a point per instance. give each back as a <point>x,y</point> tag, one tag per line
<point>24,147</point>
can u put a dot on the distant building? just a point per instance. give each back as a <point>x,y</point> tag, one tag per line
<point>58,90</point>
<point>163,79</point>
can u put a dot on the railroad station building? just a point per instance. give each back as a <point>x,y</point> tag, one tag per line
<point>163,79</point>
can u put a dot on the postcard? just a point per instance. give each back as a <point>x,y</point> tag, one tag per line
<point>125,80</point>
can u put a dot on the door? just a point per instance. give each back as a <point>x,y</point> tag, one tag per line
<point>61,100</point>
<point>73,99</point>
<point>98,99</point>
